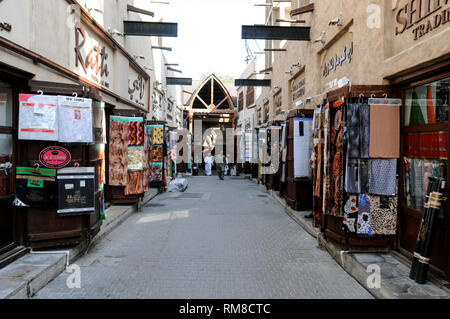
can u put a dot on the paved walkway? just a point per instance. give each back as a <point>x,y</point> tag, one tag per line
<point>219,239</point>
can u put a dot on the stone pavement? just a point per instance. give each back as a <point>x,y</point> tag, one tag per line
<point>219,239</point>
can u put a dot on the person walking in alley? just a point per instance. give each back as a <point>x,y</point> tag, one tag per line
<point>208,164</point>
<point>220,163</point>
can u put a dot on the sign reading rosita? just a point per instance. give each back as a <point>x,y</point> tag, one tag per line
<point>55,157</point>
<point>423,15</point>
<point>94,62</point>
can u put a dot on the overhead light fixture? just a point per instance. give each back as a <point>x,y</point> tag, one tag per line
<point>337,21</point>
<point>139,57</point>
<point>95,9</point>
<point>171,64</point>
<point>264,5</point>
<point>159,2</point>
<point>115,32</point>
<point>321,39</point>
<point>290,21</point>
<point>148,68</point>
<point>162,48</point>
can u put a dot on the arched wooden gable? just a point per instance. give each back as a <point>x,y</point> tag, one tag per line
<point>212,95</point>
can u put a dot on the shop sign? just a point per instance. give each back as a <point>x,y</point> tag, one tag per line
<point>277,101</point>
<point>92,57</point>
<point>136,89</point>
<point>338,61</point>
<point>423,16</point>
<point>298,89</point>
<point>55,157</point>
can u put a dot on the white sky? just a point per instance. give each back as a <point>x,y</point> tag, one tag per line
<point>209,34</point>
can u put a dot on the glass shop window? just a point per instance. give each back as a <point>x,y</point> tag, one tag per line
<point>416,173</point>
<point>5,105</point>
<point>427,104</point>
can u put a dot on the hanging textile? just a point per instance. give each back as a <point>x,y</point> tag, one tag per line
<point>75,117</point>
<point>383,215</point>
<point>156,172</point>
<point>135,184</point>
<point>336,178</point>
<point>146,176</point>
<point>416,117</point>
<point>364,216</point>
<point>118,151</point>
<point>430,107</point>
<point>352,184</point>
<point>38,118</point>
<point>383,177</point>
<point>364,130</point>
<point>135,132</point>
<point>157,137</point>
<point>363,176</point>
<point>318,154</point>
<point>136,158</point>
<point>385,131</point>
<point>326,158</point>
<point>157,154</point>
<point>353,131</point>
<point>426,144</point>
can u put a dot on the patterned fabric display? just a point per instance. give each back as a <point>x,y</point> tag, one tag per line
<point>353,131</point>
<point>363,176</point>
<point>157,154</point>
<point>351,177</point>
<point>352,205</point>
<point>336,182</point>
<point>157,136</point>
<point>118,152</point>
<point>156,173</point>
<point>136,158</point>
<point>135,133</point>
<point>364,130</point>
<point>135,184</point>
<point>364,216</point>
<point>383,177</point>
<point>383,220</point>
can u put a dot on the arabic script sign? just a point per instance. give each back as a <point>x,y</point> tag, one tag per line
<point>338,61</point>
<point>55,157</point>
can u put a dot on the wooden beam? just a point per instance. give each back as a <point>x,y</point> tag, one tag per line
<point>139,10</point>
<point>201,100</point>
<point>304,9</point>
<point>223,101</point>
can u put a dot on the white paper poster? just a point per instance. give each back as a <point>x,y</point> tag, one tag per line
<point>75,116</point>
<point>302,135</point>
<point>38,117</point>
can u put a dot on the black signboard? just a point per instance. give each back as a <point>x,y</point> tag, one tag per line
<point>160,29</point>
<point>263,32</point>
<point>76,191</point>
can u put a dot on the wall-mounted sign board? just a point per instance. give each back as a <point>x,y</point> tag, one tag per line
<point>262,32</point>
<point>160,29</point>
<point>178,81</point>
<point>252,82</point>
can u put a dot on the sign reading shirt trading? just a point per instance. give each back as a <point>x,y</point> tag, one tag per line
<point>92,58</point>
<point>422,17</point>
<point>55,157</point>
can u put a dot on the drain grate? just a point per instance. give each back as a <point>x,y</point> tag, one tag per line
<point>155,205</point>
<point>190,196</point>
